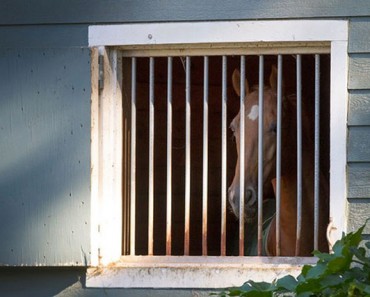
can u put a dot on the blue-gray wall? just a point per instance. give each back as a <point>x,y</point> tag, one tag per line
<point>45,124</point>
<point>45,159</point>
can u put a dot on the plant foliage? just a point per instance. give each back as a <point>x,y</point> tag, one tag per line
<point>345,272</point>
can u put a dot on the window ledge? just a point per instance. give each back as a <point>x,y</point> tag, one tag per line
<point>192,272</point>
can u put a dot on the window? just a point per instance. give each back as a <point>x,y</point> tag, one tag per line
<point>137,60</point>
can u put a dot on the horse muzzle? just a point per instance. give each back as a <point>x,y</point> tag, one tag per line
<point>250,204</point>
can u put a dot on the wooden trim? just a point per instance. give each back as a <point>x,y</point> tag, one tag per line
<point>192,272</point>
<point>107,206</point>
<point>217,32</point>
<point>338,140</point>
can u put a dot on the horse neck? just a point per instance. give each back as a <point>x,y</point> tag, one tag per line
<point>288,209</point>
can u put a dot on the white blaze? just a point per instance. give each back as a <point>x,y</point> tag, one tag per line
<point>253,114</point>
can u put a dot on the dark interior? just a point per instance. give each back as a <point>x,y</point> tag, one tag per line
<point>178,148</point>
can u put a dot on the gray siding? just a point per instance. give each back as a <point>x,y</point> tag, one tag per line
<point>46,36</point>
<point>359,124</point>
<point>45,156</point>
<point>97,11</point>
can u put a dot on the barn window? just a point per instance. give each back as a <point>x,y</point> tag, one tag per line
<point>163,156</point>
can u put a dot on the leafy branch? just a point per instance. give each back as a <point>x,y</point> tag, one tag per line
<point>345,272</point>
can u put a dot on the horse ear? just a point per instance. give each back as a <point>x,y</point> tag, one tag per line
<point>236,82</point>
<point>273,78</point>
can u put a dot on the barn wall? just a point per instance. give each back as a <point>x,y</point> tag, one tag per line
<point>359,123</point>
<point>45,125</point>
<point>117,11</point>
<point>45,156</point>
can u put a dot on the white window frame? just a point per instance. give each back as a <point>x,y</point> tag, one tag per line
<point>106,143</point>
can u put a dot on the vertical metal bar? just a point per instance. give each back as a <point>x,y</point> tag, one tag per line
<point>317,153</point>
<point>299,154</point>
<point>224,156</point>
<point>205,158</point>
<point>133,158</point>
<point>151,157</point>
<point>187,157</point>
<point>260,154</point>
<point>242,155</point>
<point>278,150</point>
<point>169,158</point>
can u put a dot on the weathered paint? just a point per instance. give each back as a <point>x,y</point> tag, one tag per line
<point>45,157</point>
<point>192,272</point>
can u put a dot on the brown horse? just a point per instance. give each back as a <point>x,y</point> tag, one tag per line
<point>288,209</point>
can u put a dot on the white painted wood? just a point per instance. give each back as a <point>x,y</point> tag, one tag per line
<point>217,32</point>
<point>338,137</point>
<point>107,137</point>
<point>107,163</point>
<point>95,168</point>
<point>192,272</point>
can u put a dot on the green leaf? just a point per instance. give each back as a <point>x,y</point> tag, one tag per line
<point>331,281</point>
<point>235,292</point>
<point>324,257</point>
<point>316,271</point>
<point>262,286</point>
<point>339,264</point>
<point>305,270</point>
<point>310,286</point>
<point>360,254</point>
<point>367,244</point>
<point>288,283</point>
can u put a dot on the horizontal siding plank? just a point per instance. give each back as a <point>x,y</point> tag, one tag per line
<point>358,213</point>
<point>359,36</point>
<point>97,11</point>
<point>359,71</point>
<point>45,157</point>
<point>359,180</point>
<point>43,36</point>
<point>359,108</point>
<point>359,144</point>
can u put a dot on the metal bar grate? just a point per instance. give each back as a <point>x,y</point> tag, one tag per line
<point>169,158</point>
<point>242,155</point>
<point>180,139</point>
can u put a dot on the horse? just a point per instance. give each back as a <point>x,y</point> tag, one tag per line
<point>289,246</point>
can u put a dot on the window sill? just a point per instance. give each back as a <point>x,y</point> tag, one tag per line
<point>192,272</point>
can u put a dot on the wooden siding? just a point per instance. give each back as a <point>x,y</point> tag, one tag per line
<point>359,71</point>
<point>359,180</point>
<point>45,156</point>
<point>114,11</point>
<point>359,212</point>
<point>359,108</point>
<point>359,35</point>
<point>359,124</point>
<point>359,144</point>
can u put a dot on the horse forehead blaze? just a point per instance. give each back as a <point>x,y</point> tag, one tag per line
<point>253,114</point>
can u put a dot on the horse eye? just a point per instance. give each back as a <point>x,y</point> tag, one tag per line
<point>272,128</point>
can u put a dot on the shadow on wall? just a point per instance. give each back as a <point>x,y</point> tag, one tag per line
<point>67,282</point>
<point>40,282</point>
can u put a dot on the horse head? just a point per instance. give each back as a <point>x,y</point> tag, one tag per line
<point>251,144</point>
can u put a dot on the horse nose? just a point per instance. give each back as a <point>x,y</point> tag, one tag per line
<point>251,196</point>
